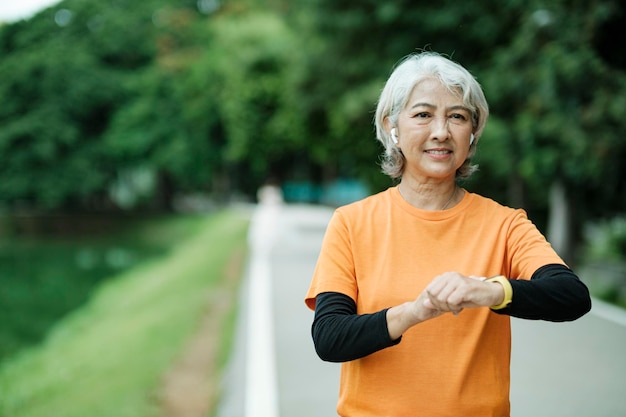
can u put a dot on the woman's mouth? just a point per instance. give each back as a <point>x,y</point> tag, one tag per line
<point>438,151</point>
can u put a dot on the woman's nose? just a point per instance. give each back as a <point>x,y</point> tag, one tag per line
<point>439,129</point>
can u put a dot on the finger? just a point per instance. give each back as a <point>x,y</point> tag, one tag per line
<point>439,303</point>
<point>429,310</point>
<point>428,303</point>
<point>445,298</point>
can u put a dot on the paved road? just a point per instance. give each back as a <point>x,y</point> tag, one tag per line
<point>575,369</point>
<point>568,369</point>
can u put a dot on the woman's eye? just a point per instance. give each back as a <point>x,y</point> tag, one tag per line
<point>422,115</point>
<point>458,118</point>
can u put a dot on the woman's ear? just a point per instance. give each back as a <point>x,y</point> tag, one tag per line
<point>393,132</point>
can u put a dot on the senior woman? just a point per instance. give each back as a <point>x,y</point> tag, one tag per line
<point>414,287</point>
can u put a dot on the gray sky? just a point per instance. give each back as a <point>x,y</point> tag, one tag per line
<point>12,10</point>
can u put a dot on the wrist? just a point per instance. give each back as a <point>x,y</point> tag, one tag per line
<point>399,319</point>
<point>507,288</point>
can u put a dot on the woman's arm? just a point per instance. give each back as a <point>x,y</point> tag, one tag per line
<point>554,293</point>
<point>341,335</point>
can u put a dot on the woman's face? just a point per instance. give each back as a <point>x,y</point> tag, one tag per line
<point>434,132</point>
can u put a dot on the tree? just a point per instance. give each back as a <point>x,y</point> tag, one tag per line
<point>250,71</point>
<point>64,74</point>
<point>159,97</point>
<point>352,48</point>
<point>561,109</point>
<point>57,104</point>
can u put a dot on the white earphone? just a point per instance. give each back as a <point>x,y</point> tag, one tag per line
<point>394,136</point>
<point>471,139</point>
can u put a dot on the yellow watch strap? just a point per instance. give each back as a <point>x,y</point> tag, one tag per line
<point>508,291</point>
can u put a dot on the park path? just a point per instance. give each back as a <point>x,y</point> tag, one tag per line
<point>573,369</point>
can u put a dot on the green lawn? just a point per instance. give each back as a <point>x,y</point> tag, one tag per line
<point>108,357</point>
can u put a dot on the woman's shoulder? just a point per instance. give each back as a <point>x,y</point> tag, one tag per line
<point>368,203</point>
<point>365,210</point>
<point>491,207</point>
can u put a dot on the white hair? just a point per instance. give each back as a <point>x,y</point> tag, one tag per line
<point>409,72</point>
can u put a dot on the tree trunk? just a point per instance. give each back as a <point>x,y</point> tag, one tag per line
<point>559,221</point>
<point>164,198</point>
<point>516,194</point>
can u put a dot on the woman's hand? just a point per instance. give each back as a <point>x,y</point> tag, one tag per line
<point>452,292</point>
<point>448,292</point>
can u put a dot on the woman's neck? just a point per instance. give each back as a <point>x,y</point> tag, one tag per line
<point>432,197</point>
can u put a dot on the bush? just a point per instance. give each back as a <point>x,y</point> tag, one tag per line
<point>604,266</point>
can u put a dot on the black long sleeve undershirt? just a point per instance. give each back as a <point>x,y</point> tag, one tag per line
<point>554,293</point>
<point>341,335</point>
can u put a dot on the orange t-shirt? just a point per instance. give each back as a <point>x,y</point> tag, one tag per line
<point>382,252</point>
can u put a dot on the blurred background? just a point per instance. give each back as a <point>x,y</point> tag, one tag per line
<point>125,124</point>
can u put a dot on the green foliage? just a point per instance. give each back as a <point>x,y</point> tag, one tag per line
<point>606,240</point>
<point>150,132</point>
<point>219,102</point>
<point>352,49</point>
<point>250,63</point>
<point>49,127</point>
<point>604,253</point>
<point>67,72</point>
<point>557,102</point>
<point>495,160</point>
<point>108,358</point>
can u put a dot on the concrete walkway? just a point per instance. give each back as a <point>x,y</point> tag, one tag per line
<point>567,369</point>
<point>575,369</point>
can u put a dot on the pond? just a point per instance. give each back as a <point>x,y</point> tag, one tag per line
<point>49,265</point>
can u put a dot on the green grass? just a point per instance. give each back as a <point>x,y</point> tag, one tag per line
<point>108,357</point>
